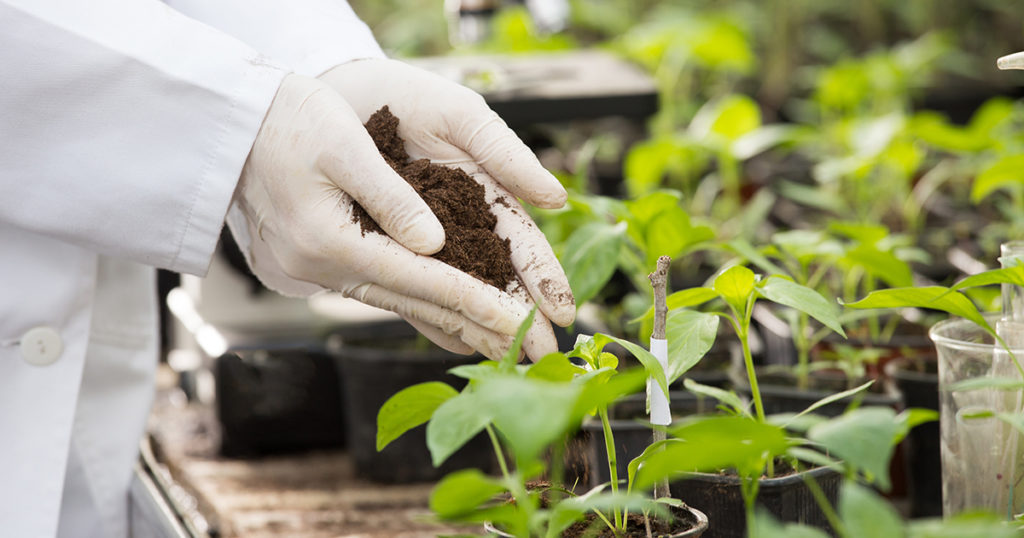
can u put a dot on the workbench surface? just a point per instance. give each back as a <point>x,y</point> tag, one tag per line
<point>311,495</point>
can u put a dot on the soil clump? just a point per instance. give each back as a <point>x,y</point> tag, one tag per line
<point>456,199</point>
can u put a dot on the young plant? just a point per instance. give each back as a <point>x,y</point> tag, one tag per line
<point>528,411</point>
<point>739,289</point>
<point>839,261</point>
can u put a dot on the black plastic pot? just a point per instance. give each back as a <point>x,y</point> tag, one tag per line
<point>918,385</point>
<point>274,400</point>
<point>376,361</point>
<point>787,498</point>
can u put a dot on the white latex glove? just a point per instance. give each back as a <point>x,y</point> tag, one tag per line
<point>311,158</point>
<point>452,125</point>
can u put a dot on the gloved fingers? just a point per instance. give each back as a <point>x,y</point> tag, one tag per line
<point>351,161</point>
<point>532,256</point>
<point>439,337</point>
<point>540,337</point>
<point>486,138</point>
<point>327,238</point>
<point>489,343</point>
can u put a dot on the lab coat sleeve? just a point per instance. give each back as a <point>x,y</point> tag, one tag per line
<point>310,36</point>
<point>124,126</point>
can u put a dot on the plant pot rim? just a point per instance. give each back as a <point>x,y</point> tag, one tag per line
<point>697,530</point>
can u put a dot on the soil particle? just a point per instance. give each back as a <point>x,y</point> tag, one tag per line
<point>456,199</point>
<point>548,293</point>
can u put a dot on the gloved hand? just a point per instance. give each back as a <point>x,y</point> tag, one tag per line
<point>452,125</point>
<point>311,158</point>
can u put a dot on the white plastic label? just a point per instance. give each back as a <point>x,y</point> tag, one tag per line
<point>660,413</point>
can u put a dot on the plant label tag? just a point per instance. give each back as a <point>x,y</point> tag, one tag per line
<point>660,413</point>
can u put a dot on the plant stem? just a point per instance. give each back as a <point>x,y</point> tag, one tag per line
<point>748,361</point>
<point>498,451</point>
<point>659,281</point>
<point>826,507</point>
<point>613,469</point>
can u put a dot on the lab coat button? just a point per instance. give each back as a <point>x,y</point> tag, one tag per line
<point>41,346</point>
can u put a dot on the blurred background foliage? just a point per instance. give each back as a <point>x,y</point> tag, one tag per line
<point>774,115</point>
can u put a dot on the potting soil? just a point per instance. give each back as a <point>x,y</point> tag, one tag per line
<point>456,199</point>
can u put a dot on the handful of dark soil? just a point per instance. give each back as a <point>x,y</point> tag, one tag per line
<point>458,202</point>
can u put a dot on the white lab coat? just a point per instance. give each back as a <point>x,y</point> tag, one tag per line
<point>124,125</point>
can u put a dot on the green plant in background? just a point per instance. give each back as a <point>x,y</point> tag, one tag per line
<point>705,160</point>
<point>595,236</point>
<point>978,163</point>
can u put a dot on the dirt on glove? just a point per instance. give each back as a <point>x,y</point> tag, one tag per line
<point>459,203</point>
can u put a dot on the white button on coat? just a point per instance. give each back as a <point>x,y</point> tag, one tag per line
<point>41,346</point>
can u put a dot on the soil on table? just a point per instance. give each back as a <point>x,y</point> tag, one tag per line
<point>456,199</point>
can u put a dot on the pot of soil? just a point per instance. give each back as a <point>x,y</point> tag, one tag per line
<point>917,383</point>
<point>375,361</point>
<point>785,496</point>
<point>687,522</point>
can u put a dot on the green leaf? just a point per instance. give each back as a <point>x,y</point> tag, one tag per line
<point>860,232</point>
<point>636,462</point>
<point>880,264</point>
<point>690,335</point>
<point>864,513</point>
<point>931,297</point>
<point>735,285</point>
<point>511,357</point>
<point>531,413</point>
<point>1013,419</point>
<point>935,129</point>
<point>689,297</point>
<point>766,526</point>
<point>712,444</point>
<point>454,423</point>
<point>554,367</point>
<point>589,258</point>
<point>727,397</point>
<point>1005,173</point>
<point>650,362</point>
<point>409,408</point>
<point>789,293</point>
<point>602,388</point>
<point>1008,275</point>
<point>747,251</point>
<point>462,492</point>
<point>985,382</point>
<point>863,438</point>
<point>912,417</point>
<point>671,234</point>
<point>834,398</point>
<point>475,371</point>
<point>728,118</point>
<point>814,457</point>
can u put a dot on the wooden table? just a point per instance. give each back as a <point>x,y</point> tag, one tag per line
<point>311,495</point>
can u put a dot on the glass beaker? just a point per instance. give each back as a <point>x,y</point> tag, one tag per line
<point>982,464</point>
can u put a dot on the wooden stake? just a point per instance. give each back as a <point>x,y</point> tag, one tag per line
<point>659,281</point>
